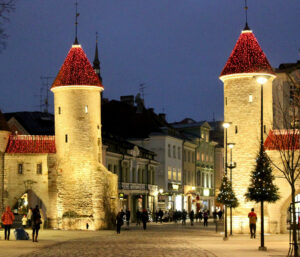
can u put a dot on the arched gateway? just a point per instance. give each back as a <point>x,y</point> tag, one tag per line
<point>64,171</point>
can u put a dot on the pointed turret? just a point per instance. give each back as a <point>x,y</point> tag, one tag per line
<point>3,123</point>
<point>96,62</point>
<point>76,70</point>
<point>247,57</point>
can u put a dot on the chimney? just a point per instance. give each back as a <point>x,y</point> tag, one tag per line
<point>129,99</point>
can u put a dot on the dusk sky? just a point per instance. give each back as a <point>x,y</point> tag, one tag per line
<point>176,47</point>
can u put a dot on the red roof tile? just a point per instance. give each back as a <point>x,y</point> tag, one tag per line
<point>282,140</point>
<point>247,57</point>
<point>76,70</point>
<point>31,144</point>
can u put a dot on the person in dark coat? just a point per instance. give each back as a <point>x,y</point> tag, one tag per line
<point>145,218</point>
<point>192,216</point>
<point>205,216</point>
<point>127,217</point>
<point>119,221</point>
<point>160,214</point>
<point>138,217</point>
<point>36,223</point>
<point>184,214</point>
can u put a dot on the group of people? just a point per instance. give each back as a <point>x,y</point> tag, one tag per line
<point>140,216</point>
<point>34,219</point>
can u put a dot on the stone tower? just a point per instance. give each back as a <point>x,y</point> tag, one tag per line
<point>86,191</point>
<point>4,136</point>
<point>242,107</point>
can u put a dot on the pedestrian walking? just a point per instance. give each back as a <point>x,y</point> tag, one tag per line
<point>220,214</point>
<point>29,214</point>
<point>145,218</point>
<point>119,221</point>
<point>252,223</point>
<point>160,214</point>
<point>200,216</point>
<point>184,214</point>
<point>138,217</point>
<point>205,218</point>
<point>7,220</point>
<point>36,223</point>
<point>24,221</point>
<point>192,217</point>
<point>127,217</point>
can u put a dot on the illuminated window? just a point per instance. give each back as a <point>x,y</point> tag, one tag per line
<point>20,168</point>
<point>202,157</point>
<point>198,156</point>
<point>250,98</point>
<point>86,109</point>
<point>169,173</point>
<point>174,174</point>
<point>39,168</point>
<point>179,175</point>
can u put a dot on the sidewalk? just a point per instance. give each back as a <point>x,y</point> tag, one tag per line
<point>157,240</point>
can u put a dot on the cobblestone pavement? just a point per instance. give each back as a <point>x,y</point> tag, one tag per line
<point>155,241</point>
<point>158,240</point>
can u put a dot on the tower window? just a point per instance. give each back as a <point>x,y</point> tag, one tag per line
<point>225,100</point>
<point>39,168</point>
<point>250,98</point>
<point>86,109</point>
<point>265,129</point>
<point>66,138</point>
<point>236,129</point>
<point>59,110</point>
<point>20,168</point>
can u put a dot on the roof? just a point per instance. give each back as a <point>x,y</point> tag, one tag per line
<point>247,57</point>
<point>35,123</point>
<point>282,139</point>
<point>128,122</point>
<point>286,67</point>
<point>3,123</point>
<point>76,70</point>
<point>30,144</point>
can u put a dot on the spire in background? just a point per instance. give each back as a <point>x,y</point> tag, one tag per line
<point>96,62</point>
<point>246,13</point>
<point>76,25</point>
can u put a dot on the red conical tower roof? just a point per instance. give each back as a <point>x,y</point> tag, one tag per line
<point>247,57</point>
<point>76,70</point>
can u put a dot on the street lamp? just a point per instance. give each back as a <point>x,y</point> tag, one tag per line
<point>226,125</point>
<point>231,166</point>
<point>262,79</point>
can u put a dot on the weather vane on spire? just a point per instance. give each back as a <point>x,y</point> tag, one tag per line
<point>246,13</point>
<point>96,36</point>
<point>76,24</point>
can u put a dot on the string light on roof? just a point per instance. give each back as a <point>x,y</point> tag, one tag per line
<point>247,57</point>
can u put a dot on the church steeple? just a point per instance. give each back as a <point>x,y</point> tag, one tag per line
<point>96,62</point>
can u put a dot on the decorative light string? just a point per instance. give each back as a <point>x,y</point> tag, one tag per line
<point>247,57</point>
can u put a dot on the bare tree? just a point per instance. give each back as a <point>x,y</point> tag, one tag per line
<point>285,140</point>
<point>6,7</point>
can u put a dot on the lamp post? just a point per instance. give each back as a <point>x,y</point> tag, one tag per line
<point>226,125</point>
<point>231,166</point>
<point>262,80</point>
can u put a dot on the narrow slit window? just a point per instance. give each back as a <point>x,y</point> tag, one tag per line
<point>265,129</point>
<point>20,168</point>
<point>66,138</point>
<point>59,110</point>
<point>250,98</point>
<point>225,100</point>
<point>86,109</point>
<point>236,129</point>
<point>39,168</point>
